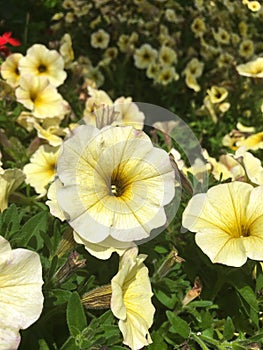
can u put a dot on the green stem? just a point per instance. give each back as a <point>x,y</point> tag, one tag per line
<point>215,343</point>
<point>26,28</point>
<point>199,341</point>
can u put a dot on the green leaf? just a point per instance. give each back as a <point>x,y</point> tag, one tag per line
<point>32,228</point>
<point>158,342</point>
<point>61,296</point>
<point>69,345</point>
<point>229,329</point>
<point>76,318</point>
<point>43,345</point>
<point>165,299</point>
<point>259,281</point>
<point>201,303</point>
<point>10,220</point>
<point>247,293</point>
<point>179,326</point>
<point>161,250</point>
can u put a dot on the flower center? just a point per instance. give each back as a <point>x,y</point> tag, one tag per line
<point>244,231</point>
<point>33,96</point>
<point>42,68</point>
<point>117,186</point>
<point>116,190</point>
<point>146,56</point>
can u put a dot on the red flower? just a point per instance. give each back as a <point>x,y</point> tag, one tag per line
<point>6,38</point>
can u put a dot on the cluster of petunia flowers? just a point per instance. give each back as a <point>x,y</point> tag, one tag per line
<point>112,186</point>
<point>111,200</point>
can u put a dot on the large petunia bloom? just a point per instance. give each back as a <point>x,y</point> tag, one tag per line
<point>228,222</point>
<point>115,183</point>
<point>131,300</point>
<point>21,299</point>
<point>40,61</point>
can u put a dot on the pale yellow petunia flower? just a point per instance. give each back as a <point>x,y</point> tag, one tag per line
<point>251,165</point>
<point>192,83</point>
<point>127,113</point>
<point>144,56</point>
<point>115,183</point>
<point>198,27</point>
<point>166,75</point>
<point>40,97</point>
<point>167,56</point>
<point>221,36</point>
<point>66,50</point>
<point>246,48</point>
<point>228,222</point>
<point>252,142</point>
<point>252,68</point>
<point>217,94</point>
<point>131,300</point>
<point>21,299</point>
<point>100,39</point>
<point>40,61</point>
<point>42,167</point>
<point>254,6</point>
<point>10,71</point>
<point>50,131</point>
<point>194,68</point>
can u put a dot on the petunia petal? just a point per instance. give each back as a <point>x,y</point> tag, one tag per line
<point>222,248</point>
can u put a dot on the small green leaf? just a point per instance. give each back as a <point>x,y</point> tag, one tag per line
<point>76,318</point>
<point>161,250</point>
<point>179,326</point>
<point>43,345</point>
<point>201,303</point>
<point>61,296</point>
<point>229,329</point>
<point>158,342</point>
<point>10,222</point>
<point>69,345</point>
<point>247,293</point>
<point>165,299</point>
<point>38,223</point>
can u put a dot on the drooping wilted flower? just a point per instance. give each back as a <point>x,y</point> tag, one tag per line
<point>131,300</point>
